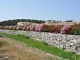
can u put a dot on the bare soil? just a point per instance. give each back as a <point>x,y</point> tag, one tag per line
<point>12,50</point>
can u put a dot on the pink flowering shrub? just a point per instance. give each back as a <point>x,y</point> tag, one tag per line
<point>44,28</point>
<point>18,28</point>
<point>48,28</point>
<point>39,27</point>
<point>24,27</point>
<point>30,28</point>
<point>57,29</point>
<point>14,27</point>
<point>6,27</point>
<point>67,29</point>
<point>33,28</point>
<point>2,27</point>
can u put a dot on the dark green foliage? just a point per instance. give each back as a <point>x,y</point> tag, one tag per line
<point>63,48</point>
<point>68,20</point>
<point>14,22</point>
<point>76,48</point>
<point>44,43</point>
<point>76,30</point>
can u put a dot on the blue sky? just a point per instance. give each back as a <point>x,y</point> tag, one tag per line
<point>40,9</point>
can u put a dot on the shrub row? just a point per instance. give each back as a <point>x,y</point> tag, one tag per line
<point>66,29</point>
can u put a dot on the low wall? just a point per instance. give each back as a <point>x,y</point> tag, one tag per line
<point>67,42</point>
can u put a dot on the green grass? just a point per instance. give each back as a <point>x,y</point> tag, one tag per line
<point>44,47</point>
<point>14,30</point>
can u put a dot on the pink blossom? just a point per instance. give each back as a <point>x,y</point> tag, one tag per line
<point>39,27</point>
<point>30,28</point>
<point>24,27</point>
<point>18,27</point>
<point>15,27</point>
<point>7,27</point>
<point>66,28</point>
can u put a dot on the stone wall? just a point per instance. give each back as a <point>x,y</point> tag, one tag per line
<point>63,41</point>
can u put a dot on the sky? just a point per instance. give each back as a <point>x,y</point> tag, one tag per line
<point>40,9</point>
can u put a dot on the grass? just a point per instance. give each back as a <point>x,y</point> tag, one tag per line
<point>14,30</point>
<point>42,46</point>
<point>3,43</point>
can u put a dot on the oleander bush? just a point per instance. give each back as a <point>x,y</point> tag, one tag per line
<point>6,27</point>
<point>14,27</point>
<point>24,28</point>
<point>30,28</point>
<point>48,28</point>
<point>2,27</point>
<point>39,27</point>
<point>66,29</point>
<point>57,28</point>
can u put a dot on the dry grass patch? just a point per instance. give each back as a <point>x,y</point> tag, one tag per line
<point>12,50</point>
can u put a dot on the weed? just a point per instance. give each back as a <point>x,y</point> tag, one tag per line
<point>44,43</point>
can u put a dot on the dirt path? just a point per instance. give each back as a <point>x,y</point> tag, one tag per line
<point>12,50</point>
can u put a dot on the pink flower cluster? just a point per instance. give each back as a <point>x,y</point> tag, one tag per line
<point>6,27</point>
<point>30,28</point>
<point>18,27</point>
<point>66,29</point>
<point>24,27</point>
<point>2,27</point>
<point>39,27</point>
<point>14,27</point>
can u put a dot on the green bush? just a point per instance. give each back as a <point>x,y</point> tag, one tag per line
<point>76,30</point>
<point>44,43</point>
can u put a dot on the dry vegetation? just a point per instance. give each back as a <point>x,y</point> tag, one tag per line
<point>12,50</point>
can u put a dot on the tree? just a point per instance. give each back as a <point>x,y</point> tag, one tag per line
<point>69,21</point>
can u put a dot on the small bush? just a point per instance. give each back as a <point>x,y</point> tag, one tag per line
<point>67,29</point>
<point>44,43</point>
<point>6,27</point>
<point>30,28</point>
<point>63,48</point>
<point>57,28</point>
<point>24,28</point>
<point>27,37</point>
<point>76,30</point>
